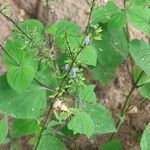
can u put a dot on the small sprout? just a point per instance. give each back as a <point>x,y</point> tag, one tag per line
<point>66,68</point>
<point>86,40</point>
<point>74,72</point>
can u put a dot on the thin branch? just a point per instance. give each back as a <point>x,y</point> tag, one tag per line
<point>68,46</point>
<point>9,55</point>
<point>130,93</point>
<point>14,23</point>
<point>90,15</point>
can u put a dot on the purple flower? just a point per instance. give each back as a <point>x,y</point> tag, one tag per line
<point>66,68</point>
<point>74,72</point>
<point>86,40</point>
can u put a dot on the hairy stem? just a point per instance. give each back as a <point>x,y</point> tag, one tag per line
<point>50,109</point>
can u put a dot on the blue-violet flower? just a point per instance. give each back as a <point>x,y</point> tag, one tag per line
<point>74,72</point>
<point>86,40</point>
<point>66,68</point>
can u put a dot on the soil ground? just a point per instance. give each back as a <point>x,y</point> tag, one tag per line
<point>111,95</point>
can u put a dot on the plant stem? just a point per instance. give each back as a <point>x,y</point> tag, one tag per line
<point>49,113</point>
<point>90,15</point>
<point>126,104</point>
<point>55,98</point>
<point>68,46</point>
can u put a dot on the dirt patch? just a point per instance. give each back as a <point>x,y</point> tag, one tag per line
<point>111,95</point>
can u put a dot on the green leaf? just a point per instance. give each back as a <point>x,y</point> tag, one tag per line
<point>3,130</point>
<point>23,127</point>
<point>103,13</point>
<point>27,105</point>
<point>145,140</point>
<point>117,20</point>
<point>114,145</point>
<point>19,78</point>
<point>88,56</point>
<point>143,80</point>
<point>48,78</point>
<point>139,2</point>
<point>140,18</point>
<point>86,94</point>
<point>63,26</point>
<point>66,31</point>
<point>32,24</point>
<point>15,55</point>
<point>50,142</point>
<point>34,29</point>
<point>140,52</point>
<point>145,90</point>
<point>112,50</point>
<point>82,123</point>
<point>101,117</point>
<point>20,72</point>
<point>103,74</point>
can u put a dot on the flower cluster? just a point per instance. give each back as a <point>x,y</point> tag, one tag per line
<point>73,70</point>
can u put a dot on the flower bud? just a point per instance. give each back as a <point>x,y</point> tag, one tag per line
<point>74,72</point>
<point>86,40</point>
<point>66,68</point>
